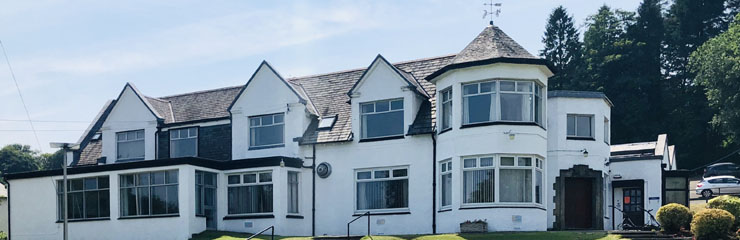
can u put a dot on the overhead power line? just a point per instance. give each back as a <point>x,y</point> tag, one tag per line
<point>12,75</point>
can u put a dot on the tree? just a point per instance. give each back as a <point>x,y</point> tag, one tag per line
<point>48,161</point>
<point>17,158</point>
<point>562,48</point>
<point>717,67</point>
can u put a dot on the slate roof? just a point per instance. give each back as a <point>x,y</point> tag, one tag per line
<point>201,105</point>
<point>491,43</point>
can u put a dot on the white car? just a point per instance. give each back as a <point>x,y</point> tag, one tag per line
<point>718,185</point>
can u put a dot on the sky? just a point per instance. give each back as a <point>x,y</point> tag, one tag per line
<point>70,57</point>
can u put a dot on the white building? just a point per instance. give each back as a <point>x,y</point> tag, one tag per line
<point>3,209</point>
<point>421,146</point>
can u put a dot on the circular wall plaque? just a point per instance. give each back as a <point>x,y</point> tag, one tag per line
<point>323,169</point>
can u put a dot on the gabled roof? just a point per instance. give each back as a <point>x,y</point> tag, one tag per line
<point>301,98</point>
<point>90,148</point>
<point>492,45</point>
<point>145,100</point>
<point>409,78</point>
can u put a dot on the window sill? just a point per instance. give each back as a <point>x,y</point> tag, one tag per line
<point>444,131</point>
<point>381,138</point>
<point>581,138</point>
<point>255,216</point>
<point>501,123</point>
<point>152,216</point>
<point>502,206</point>
<point>294,216</point>
<point>265,147</point>
<point>200,215</point>
<point>84,220</point>
<point>402,212</point>
<point>445,210</point>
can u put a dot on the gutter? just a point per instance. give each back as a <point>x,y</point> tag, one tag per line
<point>434,184</point>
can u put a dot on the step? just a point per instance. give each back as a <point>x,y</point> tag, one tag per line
<point>337,238</point>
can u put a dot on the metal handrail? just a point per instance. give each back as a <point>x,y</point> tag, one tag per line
<point>358,217</point>
<point>272,234</point>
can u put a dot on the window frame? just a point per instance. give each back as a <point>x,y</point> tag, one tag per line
<point>607,132</point>
<point>298,192</point>
<point>537,164</point>
<point>373,179</point>
<point>143,139</point>
<point>257,182</point>
<point>536,92</point>
<point>60,197</point>
<point>592,120</point>
<point>197,138</point>
<point>375,112</point>
<point>252,145</point>
<point>445,168</point>
<point>149,186</point>
<point>442,104</point>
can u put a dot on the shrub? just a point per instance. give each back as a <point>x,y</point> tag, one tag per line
<point>673,216</point>
<point>727,203</point>
<point>3,235</point>
<point>712,224</point>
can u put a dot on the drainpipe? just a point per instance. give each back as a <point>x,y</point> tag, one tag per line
<point>434,184</point>
<point>313,192</point>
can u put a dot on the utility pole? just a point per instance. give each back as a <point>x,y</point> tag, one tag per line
<point>66,147</point>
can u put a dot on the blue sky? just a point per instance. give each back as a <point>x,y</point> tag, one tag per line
<point>69,57</point>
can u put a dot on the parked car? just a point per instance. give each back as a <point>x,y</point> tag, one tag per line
<point>718,185</point>
<point>722,169</point>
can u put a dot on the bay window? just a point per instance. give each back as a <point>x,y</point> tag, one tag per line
<point>382,118</point>
<point>250,193</point>
<point>87,198</point>
<point>502,100</point>
<point>446,183</point>
<point>266,131</point>
<point>382,188</point>
<point>184,142</point>
<point>516,179</point>
<point>446,104</point>
<point>130,145</point>
<point>479,179</point>
<point>504,179</point>
<point>149,193</point>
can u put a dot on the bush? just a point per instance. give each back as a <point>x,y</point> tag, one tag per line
<point>727,203</point>
<point>673,216</point>
<point>712,224</point>
<point>3,235</point>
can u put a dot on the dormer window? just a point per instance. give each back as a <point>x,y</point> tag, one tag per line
<point>266,131</point>
<point>130,145</point>
<point>509,101</point>
<point>184,142</point>
<point>382,118</point>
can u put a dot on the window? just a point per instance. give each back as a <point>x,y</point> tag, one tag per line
<point>382,188</point>
<point>87,198</point>
<point>492,179</point>
<point>513,101</point>
<point>292,192</point>
<point>205,192</point>
<point>149,193</point>
<point>266,130</point>
<point>580,126</point>
<point>184,142</point>
<point>250,193</point>
<point>382,118</point>
<point>446,183</point>
<point>606,131</point>
<point>327,123</point>
<point>478,179</point>
<point>446,100</point>
<point>130,145</point>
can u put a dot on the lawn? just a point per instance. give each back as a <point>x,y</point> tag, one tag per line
<point>215,235</point>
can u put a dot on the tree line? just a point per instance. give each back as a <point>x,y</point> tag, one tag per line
<point>669,67</point>
<point>20,158</point>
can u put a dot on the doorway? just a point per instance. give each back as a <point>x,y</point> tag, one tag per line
<point>633,205</point>
<point>205,197</point>
<point>579,203</point>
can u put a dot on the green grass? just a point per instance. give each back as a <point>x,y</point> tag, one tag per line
<point>208,235</point>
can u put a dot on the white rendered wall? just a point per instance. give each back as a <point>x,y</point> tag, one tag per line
<point>266,93</point>
<point>563,153</point>
<point>34,212</point>
<point>4,215</point>
<point>129,113</point>
<point>647,170</point>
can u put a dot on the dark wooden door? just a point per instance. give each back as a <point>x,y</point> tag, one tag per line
<point>578,203</point>
<point>633,204</point>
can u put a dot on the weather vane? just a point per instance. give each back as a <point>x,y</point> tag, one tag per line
<point>490,12</point>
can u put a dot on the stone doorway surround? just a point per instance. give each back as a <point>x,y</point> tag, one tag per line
<point>579,171</point>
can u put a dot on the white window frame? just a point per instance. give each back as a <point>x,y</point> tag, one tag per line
<point>298,192</point>
<point>607,133</point>
<point>496,91</point>
<point>536,160</point>
<point>445,168</point>
<point>442,105</point>
<point>149,186</point>
<point>143,139</point>
<point>252,144</point>
<point>179,130</point>
<point>257,182</point>
<point>390,110</point>
<point>373,179</point>
<point>576,115</point>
